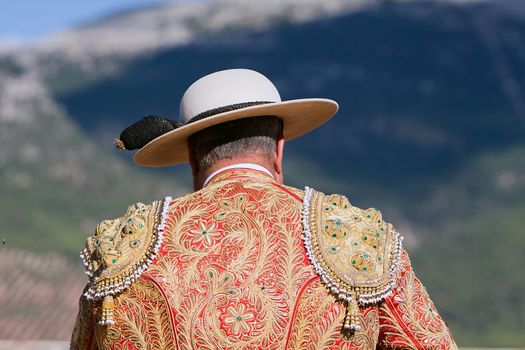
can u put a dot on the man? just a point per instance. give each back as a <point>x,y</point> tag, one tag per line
<point>246,262</point>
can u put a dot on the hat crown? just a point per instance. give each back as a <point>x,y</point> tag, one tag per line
<point>225,88</point>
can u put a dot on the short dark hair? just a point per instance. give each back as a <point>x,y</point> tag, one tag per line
<point>227,140</point>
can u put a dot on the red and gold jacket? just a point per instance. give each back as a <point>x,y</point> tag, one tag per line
<point>247,263</point>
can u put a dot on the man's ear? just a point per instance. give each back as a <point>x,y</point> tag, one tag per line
<point>193,162</point>
<point>278,161</point>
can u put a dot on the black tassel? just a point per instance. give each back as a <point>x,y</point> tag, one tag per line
<point>142,132</point>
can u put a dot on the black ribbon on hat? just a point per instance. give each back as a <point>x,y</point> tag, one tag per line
<point>150,127</point>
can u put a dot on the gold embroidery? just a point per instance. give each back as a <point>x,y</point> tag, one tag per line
<point>237,287</point>
<point>143,320</point>
<point>411,320</point>
<point>367,337</point>
<point>81,337</point>
<point>232,273</point>
<point>319,320</point>
<point>120,250</point>
<point>353,250</point>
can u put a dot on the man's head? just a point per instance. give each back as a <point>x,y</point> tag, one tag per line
<point>210,130</point>
<point>256,140</point>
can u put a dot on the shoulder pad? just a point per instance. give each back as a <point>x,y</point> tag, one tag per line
<point>121,249</point>
<point>354,251</point>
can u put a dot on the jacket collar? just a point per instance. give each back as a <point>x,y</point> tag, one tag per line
<point>249,167</point>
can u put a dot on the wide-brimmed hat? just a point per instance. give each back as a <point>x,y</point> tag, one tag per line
<point>231,95</point>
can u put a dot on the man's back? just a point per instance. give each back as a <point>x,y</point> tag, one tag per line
<point>232,271</point>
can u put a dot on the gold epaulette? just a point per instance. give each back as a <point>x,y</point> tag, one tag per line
<point>354,251</point>
<point>121,250</point>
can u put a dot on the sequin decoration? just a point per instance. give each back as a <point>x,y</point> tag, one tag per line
<point>354,251</point>
<point>121,250</point>
<point>232,273</point>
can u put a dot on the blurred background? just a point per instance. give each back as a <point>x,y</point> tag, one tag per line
<point>431,131</point>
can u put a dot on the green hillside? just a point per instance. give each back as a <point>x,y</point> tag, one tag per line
<point>472,257</point>
<point>56,183</point>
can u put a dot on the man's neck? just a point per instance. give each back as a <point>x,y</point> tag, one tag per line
<point>198,181</point>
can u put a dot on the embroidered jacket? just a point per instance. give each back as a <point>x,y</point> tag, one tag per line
<point>246,263</point>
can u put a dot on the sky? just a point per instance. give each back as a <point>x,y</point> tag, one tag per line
<point>27,20</point>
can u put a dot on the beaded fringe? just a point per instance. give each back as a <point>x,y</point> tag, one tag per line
<point>108,305</point>
<point>350,296</point>
<point>110,288</point>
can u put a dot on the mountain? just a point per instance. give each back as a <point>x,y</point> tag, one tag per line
<point>410,108</point>
<point>431,127</point>
<point>57,183</point>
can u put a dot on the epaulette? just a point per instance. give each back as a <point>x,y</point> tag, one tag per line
<point>121,250</point>
<point>355,253</point>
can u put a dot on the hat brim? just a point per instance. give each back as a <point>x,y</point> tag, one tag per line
<point>299,117</point>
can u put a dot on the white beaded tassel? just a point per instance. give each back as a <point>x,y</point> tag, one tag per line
<point>106,291</point>
<point>350,297</point>
<point>352,310</point>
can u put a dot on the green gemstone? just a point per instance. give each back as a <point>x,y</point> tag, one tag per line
<point>113,261</point>
<point>239,318</point>
<point>326,227</point>
<point>368,216</point>
<point>346,206</point>
<point>365,255</point>
<point>334,235</point>
<point>377,234</point>
<point>365,238</point>
<point>353,262</point>
<point>364,268</point>
<point>337,223</point>
<point>333,249</point>
<point>204,232</point>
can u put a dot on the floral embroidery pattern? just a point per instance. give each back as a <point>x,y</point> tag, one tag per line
<point>319,320</point>
<point>239,320</point>
<point>345,245</point>
<point>205,234</point>
<point>143,321</point>
<point>232,273</point>
<point>409,319</point>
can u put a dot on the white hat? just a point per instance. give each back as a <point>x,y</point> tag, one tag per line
<point>230,95</point>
